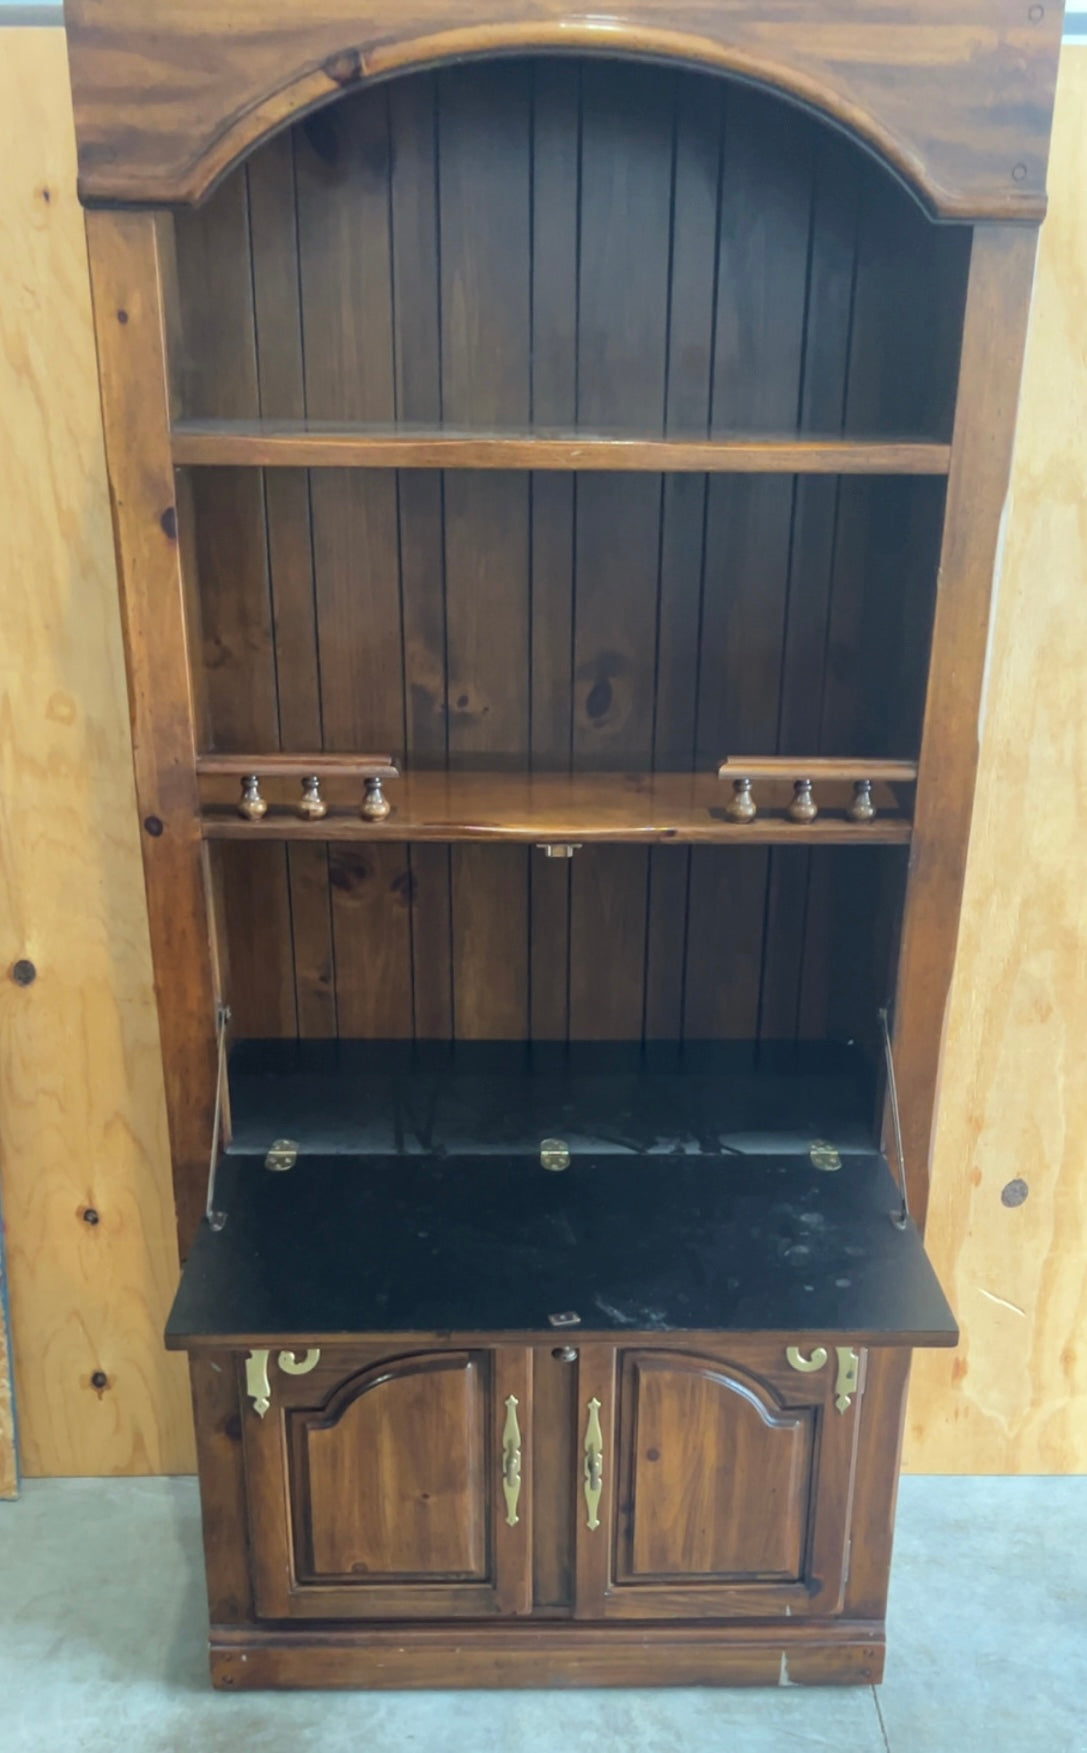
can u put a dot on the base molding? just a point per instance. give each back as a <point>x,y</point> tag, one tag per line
<point>845,1653</point>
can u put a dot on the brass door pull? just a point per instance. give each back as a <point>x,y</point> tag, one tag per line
<point>593,1469</point>
<point>511,1461</point>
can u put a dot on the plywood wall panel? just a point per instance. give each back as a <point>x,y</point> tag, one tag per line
<point>82,1118</point>
<point>1008,1219</point>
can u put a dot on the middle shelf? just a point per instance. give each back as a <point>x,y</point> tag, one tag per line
<point>561,810</point>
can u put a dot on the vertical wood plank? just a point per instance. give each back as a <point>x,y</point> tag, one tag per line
<point>485,247</point>
<point>125,260</point>
<point>699,138</point>
<point>828,326</point>
<point>556,89</point>
<point>278,323</point>
<point>418,396</point>
<point>342,172</point>
<point>627,145</point>
<point>764,226</point>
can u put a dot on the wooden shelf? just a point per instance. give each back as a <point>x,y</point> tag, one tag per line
<point>299,444</point>
<point>582,808</point>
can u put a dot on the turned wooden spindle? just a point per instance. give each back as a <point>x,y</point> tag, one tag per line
<point>803,807</point>
<point>375,805</point>
<point>312,805</point>
<point>861,809</point>
<point>741,806</point>
<point>251,805</point>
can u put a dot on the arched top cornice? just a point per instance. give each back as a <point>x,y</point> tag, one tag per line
<point>955,96</point>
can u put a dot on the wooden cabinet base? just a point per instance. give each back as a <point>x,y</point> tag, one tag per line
<point>842,1654</point>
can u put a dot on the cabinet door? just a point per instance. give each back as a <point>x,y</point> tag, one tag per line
<point>724,1483</point>
<point>390,1487</point>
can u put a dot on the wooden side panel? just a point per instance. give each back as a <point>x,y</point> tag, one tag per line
<point>82,1117</point>
<point>1008,1220</point>
<point>1001,277</point>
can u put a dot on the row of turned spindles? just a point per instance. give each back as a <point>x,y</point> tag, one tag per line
<point>802,808</point>
<point>311,806</point>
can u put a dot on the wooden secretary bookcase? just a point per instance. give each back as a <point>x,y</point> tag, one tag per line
<point>557,464</point>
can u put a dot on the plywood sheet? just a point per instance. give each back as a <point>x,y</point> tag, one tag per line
<point>9,1471</point>
<point>1008,1222</point>
<point>82,1121</point>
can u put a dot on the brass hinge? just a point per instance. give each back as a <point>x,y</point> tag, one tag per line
<point>825,1156</point>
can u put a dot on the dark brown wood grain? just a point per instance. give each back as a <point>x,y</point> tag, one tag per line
<point>966,122</point>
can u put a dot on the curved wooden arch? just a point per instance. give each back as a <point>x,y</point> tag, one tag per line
<point>955,103</point>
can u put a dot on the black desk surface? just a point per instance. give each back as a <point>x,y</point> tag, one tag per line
<point>340,1246</point>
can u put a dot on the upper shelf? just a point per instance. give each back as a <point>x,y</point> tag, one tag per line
<point>302,444</point>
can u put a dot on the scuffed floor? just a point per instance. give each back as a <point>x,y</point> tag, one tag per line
<point>102,1647</point>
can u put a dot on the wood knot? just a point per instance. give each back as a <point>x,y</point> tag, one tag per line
<point>345,67</point>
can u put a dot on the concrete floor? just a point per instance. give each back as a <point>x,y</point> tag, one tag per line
<point>102,1647</point>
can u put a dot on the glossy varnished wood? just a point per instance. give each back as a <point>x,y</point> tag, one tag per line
<point>269,445</point>
<point>558,809</point>
<point>994,338</point>
<point>820,1653</point>
<point>955,98</point>
<point>374,1486</point>
<point>132,288</point>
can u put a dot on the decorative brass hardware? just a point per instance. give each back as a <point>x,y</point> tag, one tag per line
<point>559,848</point>
<point>257,1385</point>
<point>293,1367</point>
<point>862,809</point>
<point>375,805</point>
<point>511,1461</point>
<point>283,1155</point>
<point>565,1354</point>
<point>825,1156</point>
<point>567,1318</point>
<point>741,805</point>
<point>593,1470</point>
<point>849,1370</point>
<point>849,1374</point>
<point>251,804</point>
<point>312,806</point>
<point>554,1154</point>
<point>806,1365</point>
<point>803,807</point>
